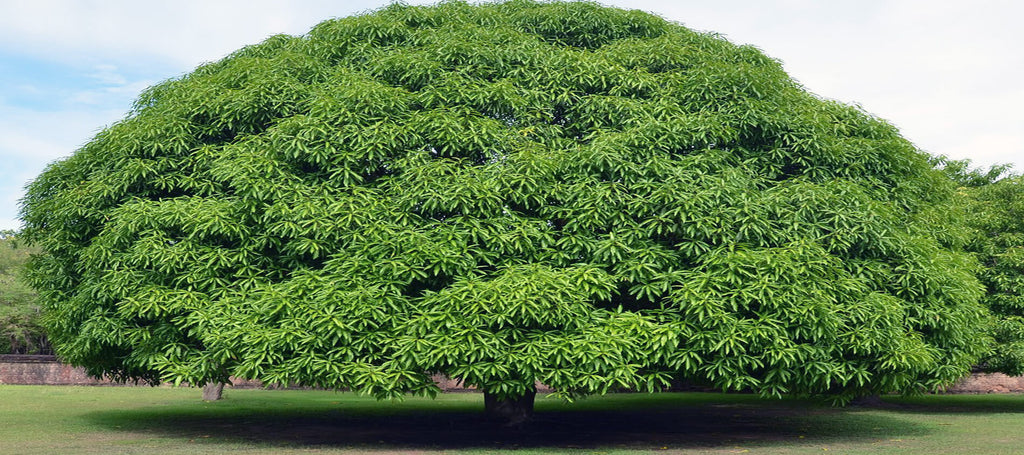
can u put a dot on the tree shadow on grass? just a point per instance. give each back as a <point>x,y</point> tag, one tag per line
<point>726,424</point>
<point>958,404</point>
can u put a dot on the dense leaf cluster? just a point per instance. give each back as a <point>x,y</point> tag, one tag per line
<point>506,193</point>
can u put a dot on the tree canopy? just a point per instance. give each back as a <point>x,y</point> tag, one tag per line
<point>506,193</point>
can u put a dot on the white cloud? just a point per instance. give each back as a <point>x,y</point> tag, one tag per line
<point>947,73</point>
<point>107,74</point>
<point>46,136</point>
<point>34,141</point>
<point>29,89</point>
<point>8,219</point>
<point>105,96</point>
<point>988,148</point>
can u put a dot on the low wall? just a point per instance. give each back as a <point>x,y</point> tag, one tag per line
<point>989,383</point>
<point>42,370</point>
<point>46,370</point>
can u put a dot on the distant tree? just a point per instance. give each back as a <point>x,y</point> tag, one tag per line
<point>21,330</point>
<point>991,202</point>
<point>504,193</point>
<point>964,174</point>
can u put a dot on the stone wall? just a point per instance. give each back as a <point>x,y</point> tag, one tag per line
<point>989,383</point>
<point>42,370</point>
<point>46,370</point>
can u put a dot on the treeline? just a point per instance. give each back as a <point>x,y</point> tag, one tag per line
<point>21,330</point>
<point>990,206</point>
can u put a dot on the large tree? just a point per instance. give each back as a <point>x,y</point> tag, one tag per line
<point>507,193</point>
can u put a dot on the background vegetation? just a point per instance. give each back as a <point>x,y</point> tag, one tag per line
<point>988,215</point>
<point>21,330</point>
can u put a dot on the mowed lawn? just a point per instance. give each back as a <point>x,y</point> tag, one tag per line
<point>164,420</point>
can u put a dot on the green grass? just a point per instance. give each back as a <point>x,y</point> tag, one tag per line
<point>103,420</point>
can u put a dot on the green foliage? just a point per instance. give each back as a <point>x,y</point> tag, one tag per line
<point>504,193</point>
<point>993,211</point>
<point>961,172</point>
<point>21,331</point>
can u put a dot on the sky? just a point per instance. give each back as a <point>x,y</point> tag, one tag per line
<point>949,74</point>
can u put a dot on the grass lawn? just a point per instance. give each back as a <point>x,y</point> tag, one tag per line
<point>103,420</point>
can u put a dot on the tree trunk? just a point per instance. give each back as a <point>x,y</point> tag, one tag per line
<point>513,411</point>
<point>213,391</point>
<point>868,401</point>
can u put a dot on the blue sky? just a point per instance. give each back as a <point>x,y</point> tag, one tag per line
<point>949,74</point>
